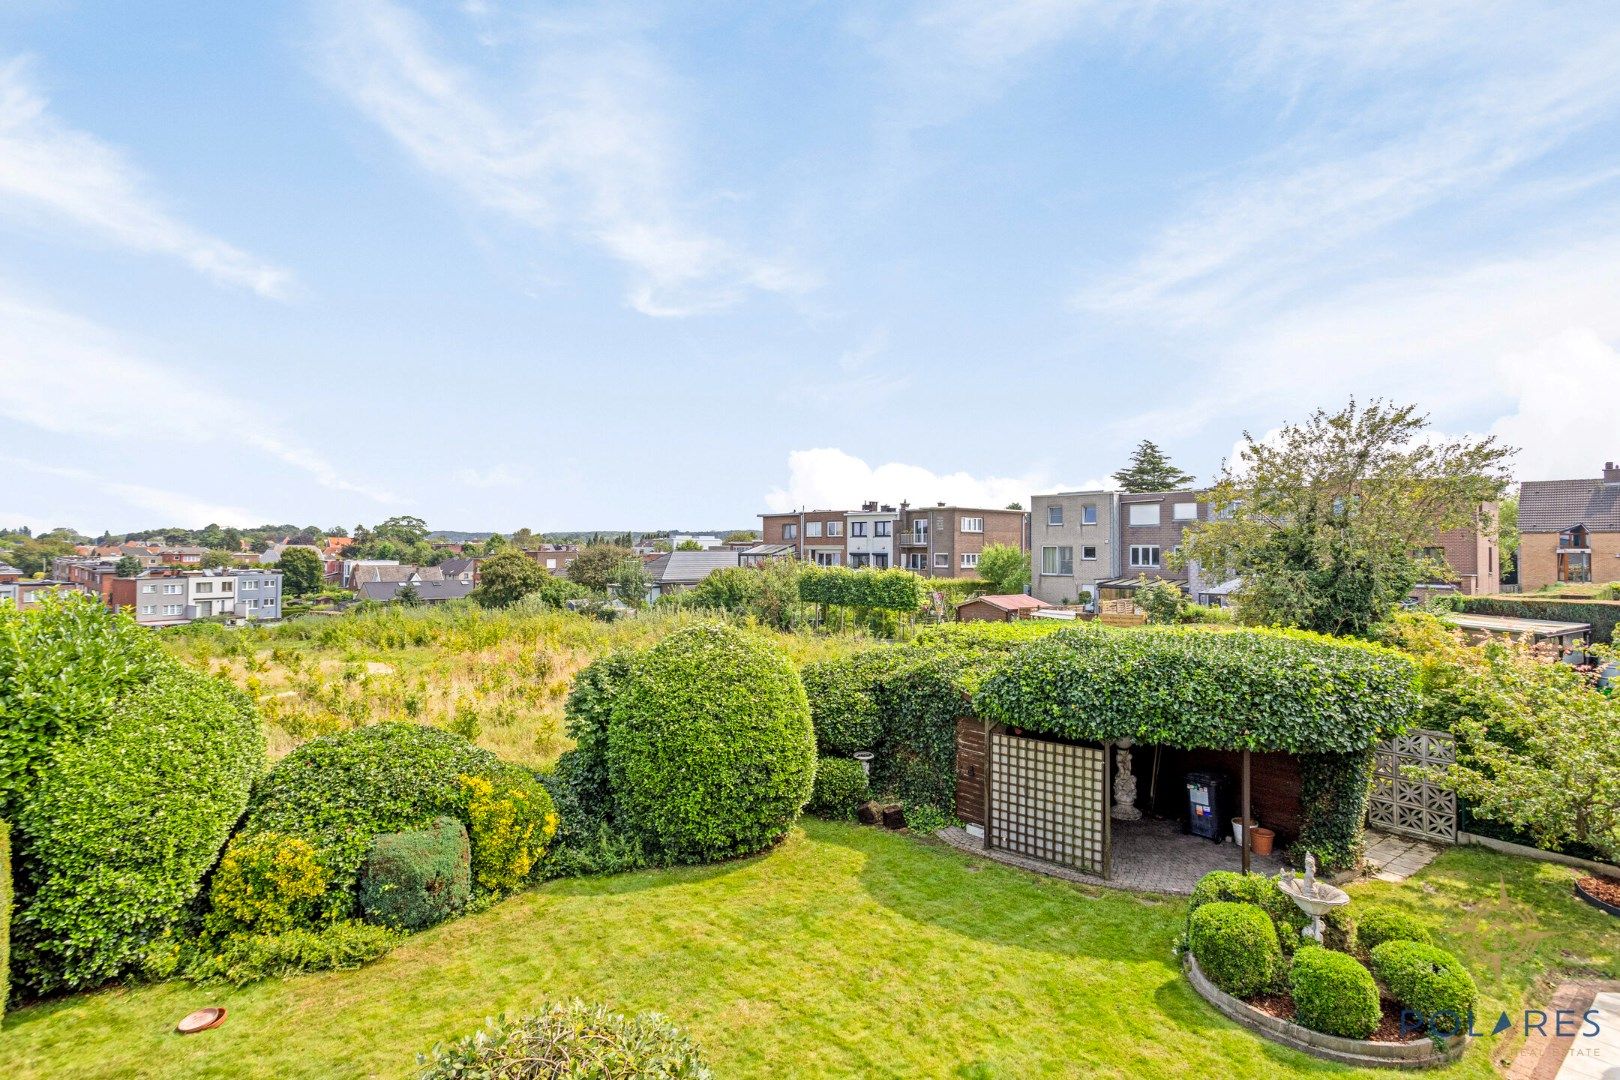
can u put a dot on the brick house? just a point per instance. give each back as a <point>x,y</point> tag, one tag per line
<point>1472,554</point>
<point>1149,526</point>
<point>1569,530</point>
<point>945,541</point>
<point>553,558</point>
<point>817,536</point>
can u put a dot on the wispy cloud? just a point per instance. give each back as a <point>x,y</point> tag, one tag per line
<point>828,478</point>
<point>170,507</point>
<point>495,476</point>
<point>53,172</point>
<point>859,381</point>
<point>587,149</point>
<point>66,375</point>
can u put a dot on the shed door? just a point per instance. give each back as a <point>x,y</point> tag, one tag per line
<point>1049,801</point>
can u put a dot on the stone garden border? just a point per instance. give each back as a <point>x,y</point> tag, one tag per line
<point>1418,1054</point>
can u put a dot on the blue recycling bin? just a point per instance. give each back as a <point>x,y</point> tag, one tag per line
<point>1209,802</point>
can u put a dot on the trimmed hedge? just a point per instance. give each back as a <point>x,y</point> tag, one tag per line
<point>1236,946</point>
<point>1603,615</point>
<point>268,883</point>
<point>122,824</point>
<point>1229,886</point>
<point>340,791</point>
<point>1333,993</point>
<point>840,787</point>
<point>839,586</point>
<point>1378,925</point>
<point>570,1040</point>
<point>419,878</point>
<point>710,751</point>
<point>1197,688</point>
<point>5,916</point>
<point>843,705</point>
<point>1427,981</point>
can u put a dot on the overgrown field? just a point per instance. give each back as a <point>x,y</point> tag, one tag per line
<point>498,677</point>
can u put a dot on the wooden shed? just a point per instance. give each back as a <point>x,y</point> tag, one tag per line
<point>999,608</point>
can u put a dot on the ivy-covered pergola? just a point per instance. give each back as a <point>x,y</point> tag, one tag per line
<point>1327,700</point>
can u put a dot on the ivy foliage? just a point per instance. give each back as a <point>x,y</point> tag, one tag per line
<point>1193,688</point>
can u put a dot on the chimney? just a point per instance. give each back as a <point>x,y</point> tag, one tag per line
<point>1611,475</point>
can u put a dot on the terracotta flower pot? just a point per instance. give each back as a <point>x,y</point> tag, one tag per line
<point>1261,841</point>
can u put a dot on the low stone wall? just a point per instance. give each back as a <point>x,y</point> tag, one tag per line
<point>1418,1054</point>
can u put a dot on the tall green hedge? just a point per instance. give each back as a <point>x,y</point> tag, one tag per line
<point>5,916</point>
<point>1205,689</point>
<point>122,824</point>
<point>839,586</point>
<point>1603,615</point>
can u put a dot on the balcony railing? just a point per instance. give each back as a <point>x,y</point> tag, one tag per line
<point>912,539</point>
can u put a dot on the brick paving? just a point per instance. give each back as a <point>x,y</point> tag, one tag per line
<point>1579,1055</point>
<point>1148,856</point>
<point>1395,858</point>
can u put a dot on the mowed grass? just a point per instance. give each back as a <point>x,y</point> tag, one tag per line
<point>845,952</point>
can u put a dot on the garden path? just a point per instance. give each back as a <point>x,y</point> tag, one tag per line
<point>1394,858</point>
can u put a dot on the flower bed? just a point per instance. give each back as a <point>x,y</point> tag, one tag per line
<point>1601,892</point>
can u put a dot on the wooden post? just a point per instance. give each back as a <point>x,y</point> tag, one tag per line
<point>1248,829</point>
<point>987,771</point>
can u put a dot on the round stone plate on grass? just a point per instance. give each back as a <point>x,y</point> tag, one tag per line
<point>201,1020</point>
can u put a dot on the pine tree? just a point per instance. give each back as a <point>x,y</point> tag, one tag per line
<point>1151,470</point>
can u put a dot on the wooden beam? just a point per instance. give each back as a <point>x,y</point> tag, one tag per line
<point>1248,826</point>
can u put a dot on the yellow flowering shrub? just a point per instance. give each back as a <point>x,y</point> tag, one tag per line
<point>511,820</point>
<point>270,882</point>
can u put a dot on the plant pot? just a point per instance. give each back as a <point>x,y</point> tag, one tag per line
<point>1262,840</point>
<point>1237,830</point>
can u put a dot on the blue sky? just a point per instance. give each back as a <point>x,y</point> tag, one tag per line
<point>643,265</point>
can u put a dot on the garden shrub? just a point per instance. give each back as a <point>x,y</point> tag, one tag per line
<point>419,878</point>
<point>240,959</point>
<point>587,842</point>
<point>269,883</point>
<point>1333,993</point>
<point>570,1040</point>
<point>122,824</point>
<point>587,713</point>
<point>1378,925</point>
<point>340,791</point>
<point>1236,946</point>
<point>843,706</point>
<point>1229,886</point>
<point>840,787</point>
<point>710,751</point>
<point>510,820</point>
<point>1427,981</point>
<point>5,916</point>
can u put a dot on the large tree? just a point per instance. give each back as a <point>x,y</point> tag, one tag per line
<point>1005,568</point>
<point>1327,521</point>
<point>128,566</point>
<point>596,566</point>
<point>507,577</point>
<point>1151,470</point>
<point>301,570</point>
<point>217,559</point>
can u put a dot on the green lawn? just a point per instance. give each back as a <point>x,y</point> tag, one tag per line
<point>846,952</point>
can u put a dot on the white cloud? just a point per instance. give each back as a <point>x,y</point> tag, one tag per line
<point>589,149</point>
<point>1563,431</point>
<point>830,479</point>
<point>49,170</point>
<point>859,383</point>
<point>499,475</point>
<point>171,507</point>
<point>66,375</point>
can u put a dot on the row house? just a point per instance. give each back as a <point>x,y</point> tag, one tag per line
<point>945,541</point>
<point>166,598</point>
<point>554,558</point>
<point>23,592</point>
<point>1569,531</point>
<point>939,541</point>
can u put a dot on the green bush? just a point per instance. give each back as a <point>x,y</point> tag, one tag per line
<point>1229,886</point>
<point>1236,946</point>
<point>240,959</point>
<point>268,883</point>
<point>587,713</point>
<point>1334,993</point>
<point>122,824</point>
<point>341,791</point>
<point>511,820</point>
<point>840,787</point>
<point>419,878</point>
<point>5,916</point>
<point>843,704</point>
<point>1378,925</point>
<point>1427,981</point>
<point>573,1040</point>
<point>710,751</point>
<point>588,842</point>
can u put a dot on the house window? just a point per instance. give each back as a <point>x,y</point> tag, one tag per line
<point>942,560</point>
<point>148,609</point>
<point>919,531</point>
<point>1057,560</point>
<point>171,609</point>
<point>880,560</point>
<point>973,525</point>
<point>225,586</point>
<point>1184,511</point>
<point>858,560</point>
<point>835,528</point>
<point>148,588</point>
<point>970,559</point>
<point>1088,514</point>
<point>1145,555</point>
<point>1054,515</point>
<point>790,532</point>
<point>857,528</point>
<point>826,558</point>
<point>1144,514</point>
<point>248,585</point>
<point>812,528</point>
<point>172,590</point>
<point>551,564</point>
<point>205,586</point>
<point>1088,553</point>
<point>1575,566</point>
<point>1573,538</point>
<point>916,560</point>
<point>881,528</point>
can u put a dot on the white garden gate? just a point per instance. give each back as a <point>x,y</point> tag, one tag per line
<point>1405,804</point>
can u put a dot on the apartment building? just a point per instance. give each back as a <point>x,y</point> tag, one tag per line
<point>869,536</point>
<point>1073,549</point>
<point>816,536</point>
<point>945,541</point>
<point>167,598</point>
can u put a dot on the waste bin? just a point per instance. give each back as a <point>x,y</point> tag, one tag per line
<point>1209,799</point>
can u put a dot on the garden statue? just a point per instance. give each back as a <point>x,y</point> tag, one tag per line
<point>1124,785</point>
<point>1313,898</point>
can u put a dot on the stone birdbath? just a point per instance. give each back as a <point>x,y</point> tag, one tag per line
<point>1313,897</point>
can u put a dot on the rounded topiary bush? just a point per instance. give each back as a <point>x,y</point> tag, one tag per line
<point>1236,946</point>
<point>841,786</point>
<point>1257,889</point>
<point>122,823</point>
<point>1333,993</point>
<point>1378,925</point>
<point>710,752</point>
<point>341,791</point>
<point>570,1040</point>
<point>843,707</point>
<point>269,883</point>
<point>1427,981</point>
<point>418,878</point>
